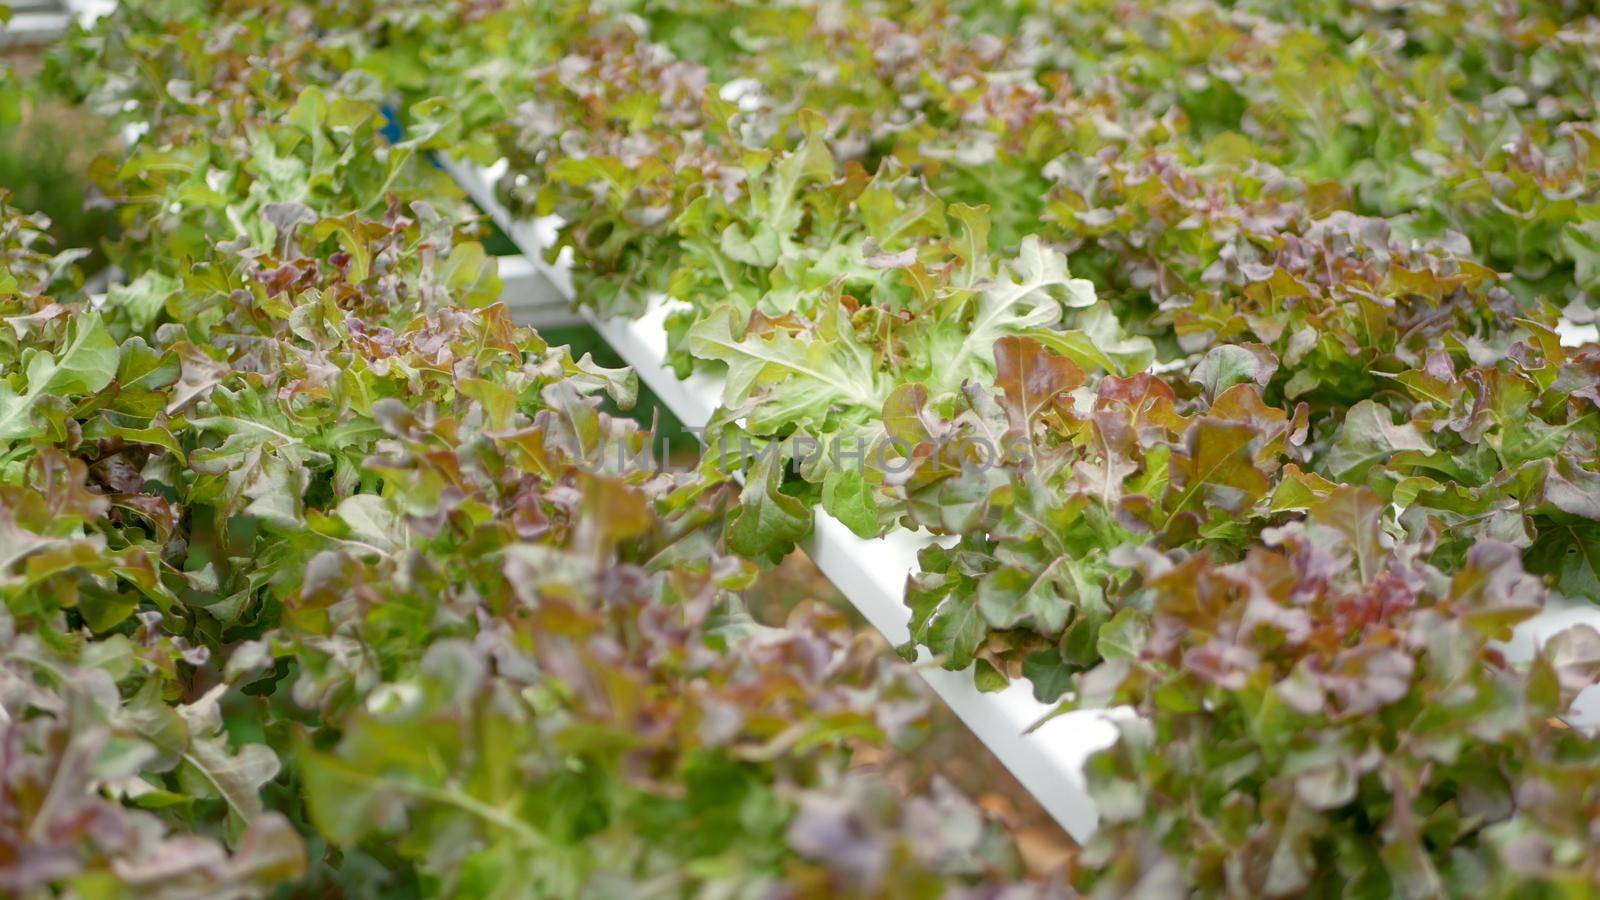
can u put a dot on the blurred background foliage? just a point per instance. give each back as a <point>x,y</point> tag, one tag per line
<point>45,149</point>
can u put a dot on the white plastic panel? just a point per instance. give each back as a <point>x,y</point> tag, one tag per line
<point>530,296</point>
<point>1559,613</point>
<point>33,27</point>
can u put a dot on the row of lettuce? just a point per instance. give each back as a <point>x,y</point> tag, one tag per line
<point>1348,232</point>
<point>1348,236</point>
<point>316,583</point>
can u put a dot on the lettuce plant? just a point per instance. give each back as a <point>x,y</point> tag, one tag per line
<point>1330,715</point>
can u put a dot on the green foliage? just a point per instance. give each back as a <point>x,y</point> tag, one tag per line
<point>1230,345</point>
<point>44,145</point>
